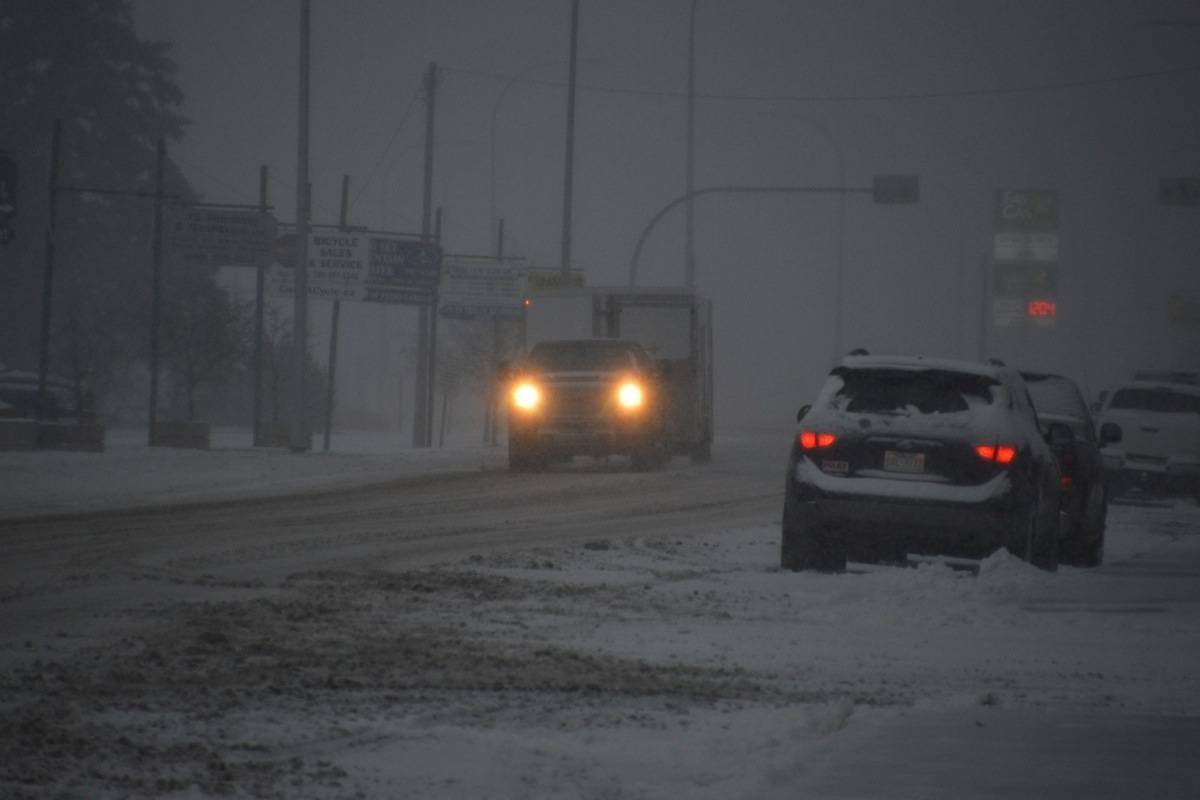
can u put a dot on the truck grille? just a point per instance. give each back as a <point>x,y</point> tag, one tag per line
<point>587,400</point>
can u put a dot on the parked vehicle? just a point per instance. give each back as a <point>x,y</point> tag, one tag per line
<point>19,397</point>
<point>1057,399</point>
<point>594,397</point>
<point>905,455</point>
<point>1156,425</point>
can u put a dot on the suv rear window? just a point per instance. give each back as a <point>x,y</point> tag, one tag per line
<point>893,391</point>
<point>583,356</point>
<point>1055,395</point>
<point>1163,400</point>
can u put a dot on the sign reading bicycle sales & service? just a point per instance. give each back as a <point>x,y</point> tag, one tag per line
<point>366,267</point>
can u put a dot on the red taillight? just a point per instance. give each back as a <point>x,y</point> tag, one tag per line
<point>1067,481</point>
<point>814,440</point>
<point>1000,453</point>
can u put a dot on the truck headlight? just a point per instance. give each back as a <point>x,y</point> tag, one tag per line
<point>526,396</point>
<point>630,395</point>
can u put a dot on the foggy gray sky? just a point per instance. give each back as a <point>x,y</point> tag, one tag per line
<point>945,90</point>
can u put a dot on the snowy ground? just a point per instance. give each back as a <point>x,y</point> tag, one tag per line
<point>639,665</point>
<point>129,474</point>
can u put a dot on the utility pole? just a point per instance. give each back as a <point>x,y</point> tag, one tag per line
<point>259,297</point>
<point>689,248</point>
<point>334,324</point>
<point>156,284</point>
<point>300,438</point>
<point>569,167</point>
<point>48,273</point>
<point>422,422</point>
<point>431,380</point>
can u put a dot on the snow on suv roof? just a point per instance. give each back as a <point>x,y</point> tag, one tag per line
<point>922,362</point>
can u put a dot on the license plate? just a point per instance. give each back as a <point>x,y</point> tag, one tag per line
<point>896,461</point>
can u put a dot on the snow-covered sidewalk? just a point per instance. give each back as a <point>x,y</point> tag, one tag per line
<point>130,474</point>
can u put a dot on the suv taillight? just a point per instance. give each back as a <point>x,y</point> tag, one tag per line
<point>999,453</point>
<point>815,440</point>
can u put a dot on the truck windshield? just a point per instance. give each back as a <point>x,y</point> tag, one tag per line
<point>582,356</point>
<point>1163,400</point>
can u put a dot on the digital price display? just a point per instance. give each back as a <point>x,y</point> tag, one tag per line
<point>1041,309</point>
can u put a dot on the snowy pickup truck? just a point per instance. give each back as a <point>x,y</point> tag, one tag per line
<point>595,397</point>
<point>612,371</point>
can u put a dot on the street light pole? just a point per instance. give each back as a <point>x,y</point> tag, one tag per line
<point>493,215</point>
<point>569,167</point>
<point>689,251</point>
<point>300,439</point>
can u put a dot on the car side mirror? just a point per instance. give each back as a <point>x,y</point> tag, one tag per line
<point>1110,433</point>
<point>804,409</point>
<point>1060,435</point>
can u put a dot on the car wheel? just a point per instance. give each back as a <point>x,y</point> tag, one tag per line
<point>803,548</point>
<point>1034,538</point>
<point>1086,548</point>
<point>1044,548</point>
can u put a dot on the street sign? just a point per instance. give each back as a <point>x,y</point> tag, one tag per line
<point>357,266</point>
<point>404,271</point>
<point>213,237</point>
<point>896,189</point>
<point>1025,250</point>
<point>1007,312</point>
<point>542,278</point>
<point>474,287</point>
<point>337,263</point>
<point>1025,246</point>
<point>8,186</point>
<point>1025,210</point>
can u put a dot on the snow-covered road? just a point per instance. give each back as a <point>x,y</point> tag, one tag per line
<point>456,631</point>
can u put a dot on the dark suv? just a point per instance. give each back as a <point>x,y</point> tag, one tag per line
<point>594,397</point>
<point>1057,399</point>
<point>910,455</point>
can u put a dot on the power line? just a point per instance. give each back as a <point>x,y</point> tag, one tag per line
<point>383,156</point>
<point>1054,86</point>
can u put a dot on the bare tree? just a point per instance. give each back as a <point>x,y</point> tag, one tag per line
<point>205,334</point>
